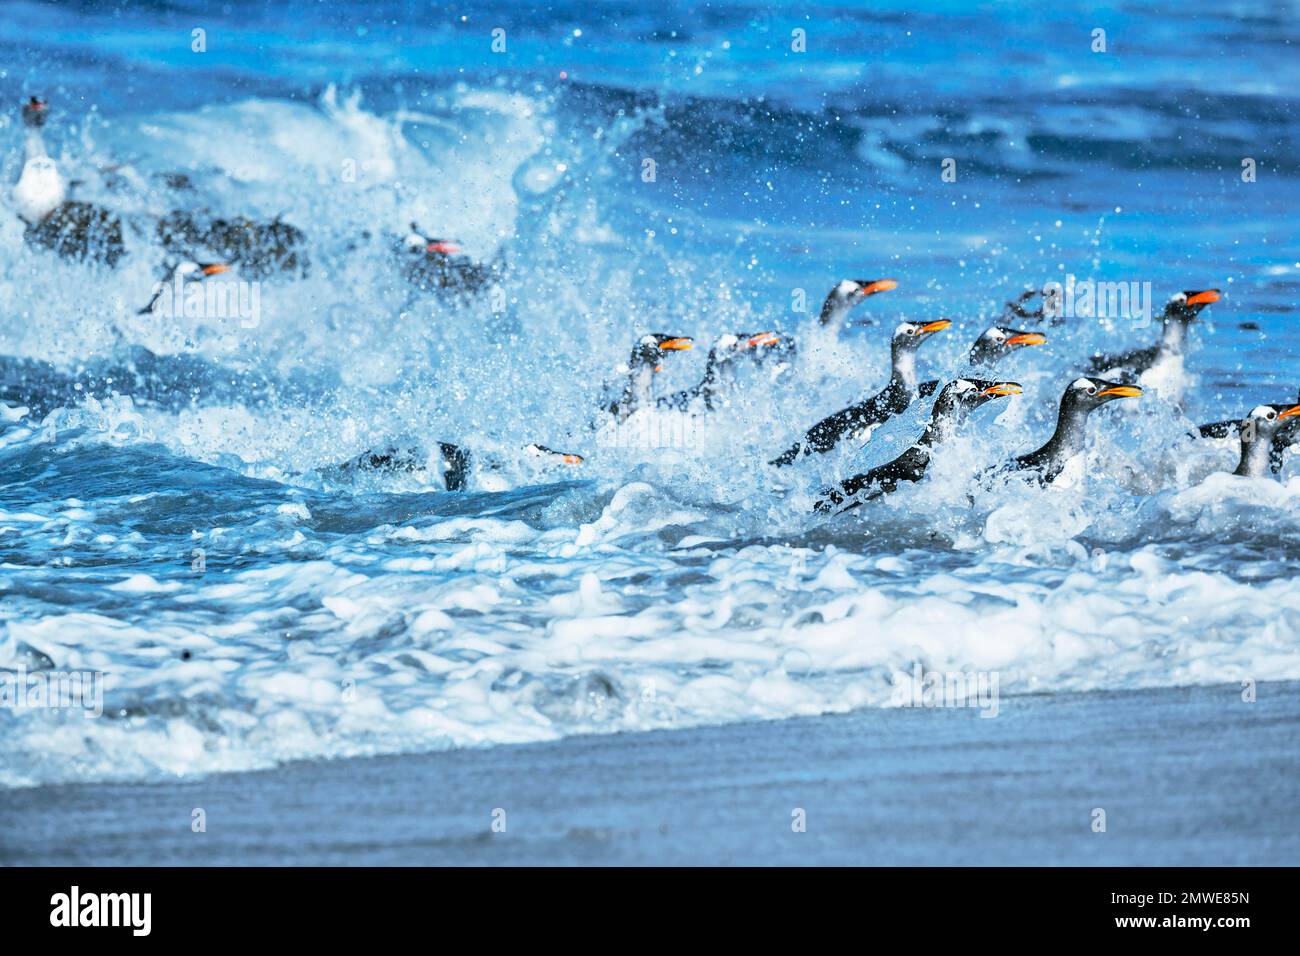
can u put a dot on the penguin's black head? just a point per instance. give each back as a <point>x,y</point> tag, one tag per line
<point>999,341</point>
<point>968,394</point>
<point>1086,394</point>
<point>649,349</point>
<point>35,112</point>
<point>418,244</point>
<point>552,457</point>
<point>1267,420</point>
<point>189,269</point>
<point>1185,306</point>
<point>733,344</point>
<point>850,292</point>
<point>910,335</point>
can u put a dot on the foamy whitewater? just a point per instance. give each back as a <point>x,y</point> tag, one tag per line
<point>168,511</point>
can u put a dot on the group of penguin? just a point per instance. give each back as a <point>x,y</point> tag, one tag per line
<point>80,230</point>
<point>85,231</point>
<point>1264,434</point>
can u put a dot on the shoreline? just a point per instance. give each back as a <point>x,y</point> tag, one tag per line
<point>1188,776</point>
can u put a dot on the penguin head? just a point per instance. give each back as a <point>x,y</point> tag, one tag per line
<point>998,341</point>
<point>417,244</point>
<point>1266,420</point>
<point>1186,306</point>
<point>910,335</point>
<point>552,457</point>
<point>35,112</point>
<point>650,348</point>
<point>732,344</point>
<point>967,394</point>
<point>191,270</point>
<point>1086,394</point>
<point>850,292</point>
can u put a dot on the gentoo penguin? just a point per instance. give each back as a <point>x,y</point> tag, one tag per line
<point>446,462</point>
<point>719,369</point>
<point>862,417</point>
<point>436,265</point>
<point>1259,431</point>
<point>994,344</point>
<point>70,228</point>
<point>1284,436</point>
<point>1161,365</point>
<point>847,294</point>
<point>1081,398</point>
<point>644,362</point>
<point>259,248</point>
<point>549,456</point>
<point>184,272</point>
<point>957,399</point>
<point>449,464</point>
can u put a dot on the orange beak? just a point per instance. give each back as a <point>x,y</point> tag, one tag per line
<point>676,345</point>
<point>446,248</point>
<point>1003,388</point>
<point>215,269</point>
<point>938,326</point>
<point>880,285</point>
<point>1290,412</point>
<point>1028,338</point>
<point>1122,391</point>
<point>763,338</point>
<point>1203,298</point>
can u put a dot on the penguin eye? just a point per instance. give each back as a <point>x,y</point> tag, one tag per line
<point>1271,415</point>
<point>1092,389</point>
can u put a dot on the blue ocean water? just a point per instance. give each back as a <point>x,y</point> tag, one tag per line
<point>168,512</point>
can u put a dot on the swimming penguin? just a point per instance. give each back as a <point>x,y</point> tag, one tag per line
<point>259,248</point>
<point>957,399</point>
<point>183,273</point>
<point>862,417</point>
<point>550,456</point>
<point>1258,433</point>
<point>719,369</point>
<point>447,463</point>
<point>1160,366</point>
<point>436,265</point>
<point>1284,436</point>
<point>68,227</point>
<point>994,344</point>
<point>845,296</point>
<point>1081,398</point>
<point>642,366</point>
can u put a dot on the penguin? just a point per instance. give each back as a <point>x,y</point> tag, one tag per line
<point>1081,398</point>
<point>72,229</point>
<point>644,363</point>
<point>436,265</point>
<point>845,296</point>
<point>864,416</point>
<point>994,344</point>
<point>449,464</point>
<point>184,272</point>
<point>260,249</point>
<point>957,399</point>
<point>1259,432</point>
<point>719,369</point>
<point>1286,435</point>
<point>1160,366</point>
